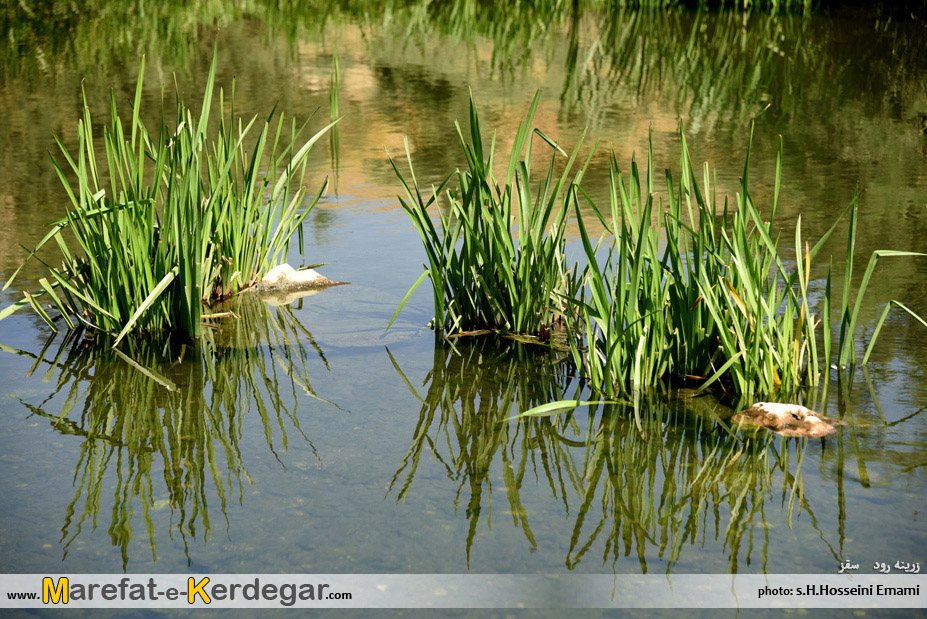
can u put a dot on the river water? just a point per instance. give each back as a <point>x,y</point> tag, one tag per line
<point>304,439</point>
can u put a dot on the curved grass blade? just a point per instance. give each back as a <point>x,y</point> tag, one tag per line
<point>152,296</point>
<point>406,298</point>
<point>561,405</point>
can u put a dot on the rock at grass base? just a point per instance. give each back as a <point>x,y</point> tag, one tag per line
<point>787,419</point>
<point>283,284</point>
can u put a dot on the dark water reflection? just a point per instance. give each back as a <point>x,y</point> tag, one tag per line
<point>175,412</point>
<point>469,395</point>
<point>650,480</point>
<point>165,440</point>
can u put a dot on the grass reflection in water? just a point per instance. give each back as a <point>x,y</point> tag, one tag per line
<point>470,392</point>
<point>650,483</point>
<point>164,409</point>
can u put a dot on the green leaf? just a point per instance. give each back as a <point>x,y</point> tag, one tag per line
<point>149,300</point>
<point>406,298</point>
<point>561,405</point>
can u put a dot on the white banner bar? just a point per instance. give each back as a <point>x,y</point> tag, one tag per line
<point>462,591</point>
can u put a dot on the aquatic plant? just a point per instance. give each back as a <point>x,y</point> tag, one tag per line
<point>484,277</point>
<point>697,291</point>
<point>693,291</point>
<point>171,218</point>
<point>334,86</point>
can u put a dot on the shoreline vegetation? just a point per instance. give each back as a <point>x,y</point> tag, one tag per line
<point>689,291</point>
<point>171,220</point>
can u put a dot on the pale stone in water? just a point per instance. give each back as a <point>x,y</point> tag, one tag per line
<point>285,276</point>
<point>283,284</point>
<point>788,419</point>
<point>287,297</point>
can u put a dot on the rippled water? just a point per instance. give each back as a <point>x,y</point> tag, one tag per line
<point>304,439</point>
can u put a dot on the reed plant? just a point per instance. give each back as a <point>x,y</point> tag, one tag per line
<point>167,219</point>
<point>484,275</point>
<point>690,290</point>
<point>696,291</point>
<point>334,87</point>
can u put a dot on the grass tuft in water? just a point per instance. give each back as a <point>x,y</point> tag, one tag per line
<point>686,291</point>
<point>484,276</point>
<point>165,219</point>
<point>696,291</point>
<point>334,88</point>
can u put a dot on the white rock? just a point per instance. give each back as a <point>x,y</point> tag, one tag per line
<point>285,277</point>
<point>788,419</point>
<point>286,297</point>
<point>783,411</point>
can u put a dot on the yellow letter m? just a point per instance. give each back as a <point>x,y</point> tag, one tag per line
<point>57,593</point>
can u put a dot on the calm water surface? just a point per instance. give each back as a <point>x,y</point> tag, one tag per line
<point>302,439</point>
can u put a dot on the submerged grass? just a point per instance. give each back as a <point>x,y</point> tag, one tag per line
<point>171,219</point>
<point>483,276</point>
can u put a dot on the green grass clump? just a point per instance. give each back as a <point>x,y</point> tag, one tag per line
<point>686,291</point>
<point>334,86</point>
<point>700,292</point>
<point>483,275</point>
<point>169,219</point>
<point>690,290</point>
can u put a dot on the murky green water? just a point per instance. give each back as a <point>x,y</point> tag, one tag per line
<point>303,439</point>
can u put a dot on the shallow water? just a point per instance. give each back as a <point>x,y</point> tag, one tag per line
<point>304,439</point>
